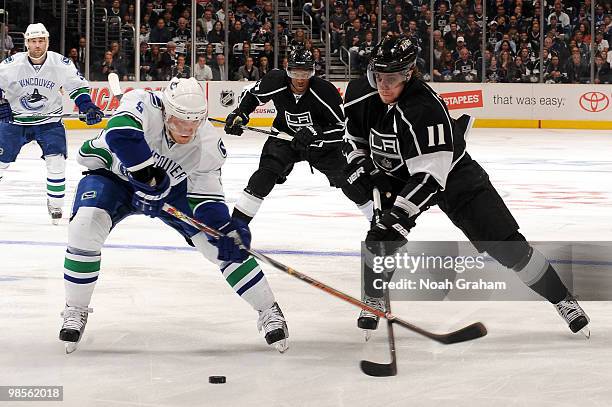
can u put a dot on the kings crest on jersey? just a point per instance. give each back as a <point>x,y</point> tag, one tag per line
<point>35,89</point>
<point>140,117</point>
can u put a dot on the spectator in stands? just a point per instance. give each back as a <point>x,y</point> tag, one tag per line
<point>8,45</point>
<point>170,9</point>
<point>217,34</point>
<point>444,71</point>
<point>182,32</point>
<point>458,47</point>
<point>73,54</point>
<point>284,63</point>
<point>206,21</point>
<point>299,39</point>
<point>372,25</point>
<point>560,16</point>
<point>582,46</point>
<point>109,66</point>
<point>160,34</point>
<point>168,60</point>
<point>180,70</point>
<point>156,70</point>
<point>450,38</point>
<point>239,59</point>
<point>365,48</point>
<point>336,23</point>
<point>465,70</point>
<point>146,63</point>
<point>219,71</point>
<point>505,65</point>
<point>248,71</point>
<point>319,63</point>
<point>114,11</point>
<point>441,17</point>
<point>237,35</point>
<point>268,52</point>
<point>577,70</point>
<point>492,72</point>
<point>438,51</point>
<point>145,33</point>
<point>118,54</point>
<point>555,72</point>
<point>201,71</point>
<point>494,36</point>
<point>518,71</point>
<point>264,66</point>
<point>602,70</point>
<point>601,44</point>
<point>264,34</point>
<point>534,35</point>
<point>505,45</point>
<point>267,13</point>
<point>209,54</point>
<point>171,24</point>
<point>472,35</point>
<point>251,24</point>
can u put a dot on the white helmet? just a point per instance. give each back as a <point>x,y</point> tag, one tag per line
<point>185,99</point>
<point>37,30</point>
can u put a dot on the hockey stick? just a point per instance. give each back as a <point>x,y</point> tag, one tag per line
<point>281,135</point>
<point>473,331</point>
<point>373,368</point>
<point>79,116</point>
<point>113,84</point>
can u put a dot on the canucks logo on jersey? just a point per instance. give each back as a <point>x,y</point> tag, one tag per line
<point>34,101</point>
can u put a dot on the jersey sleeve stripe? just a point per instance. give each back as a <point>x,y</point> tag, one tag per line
<point>77,92</point>
<point>124,120</point>
<point>326,105</point>
<point>359,99</point>
<point>414,137</point>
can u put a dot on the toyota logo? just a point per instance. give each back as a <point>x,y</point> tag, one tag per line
<point>594,102</point>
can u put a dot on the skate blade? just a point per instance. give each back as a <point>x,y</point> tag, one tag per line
<point>55,222</point>
<point>70,347</point>
<point>367,334</point>
<point>586,332</point>
<point>281,345</point>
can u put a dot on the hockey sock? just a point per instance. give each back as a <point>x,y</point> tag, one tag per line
<point>246,278</point>
<point>539,275</point>
<point>3,166</point>
<point>367,210</point>
<point>247,206</point>
<point>87,232</point>
<point>56,180</point>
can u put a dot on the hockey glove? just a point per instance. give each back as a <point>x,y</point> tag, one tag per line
<point>305,136</point>
<point>6,114</point>
<point>362,174</point>
<point>151,187</point>
<point>93,114</point>
<point>393,227</point>
<point>232,247</point>
<point>234,121</point>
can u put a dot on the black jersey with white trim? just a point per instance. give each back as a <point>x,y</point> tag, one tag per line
<point>413,140</point>
<point>320,105</point>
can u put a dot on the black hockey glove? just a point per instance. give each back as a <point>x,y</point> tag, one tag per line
<point>393,227</point>
<point>6,114</point>
<point>364,175</point>
<point>305,136</point>
<point>234,121</point>
<point>151,187</point>
<point>92,113</point>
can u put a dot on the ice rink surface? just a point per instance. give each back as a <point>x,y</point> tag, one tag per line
<point>164,319</point>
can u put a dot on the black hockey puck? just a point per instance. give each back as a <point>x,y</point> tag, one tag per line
<point>216,379</point>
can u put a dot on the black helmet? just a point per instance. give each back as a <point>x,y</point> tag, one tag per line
<point>300,58</point>
<point>393,54</point>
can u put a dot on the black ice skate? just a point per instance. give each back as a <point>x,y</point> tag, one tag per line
<point>368,321</point>
<point>75,319</point>
<point>574,315</point>
<point>272,321</point>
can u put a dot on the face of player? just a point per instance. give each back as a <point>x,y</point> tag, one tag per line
<point>390,85</point>
<point>182,131</point>
<point>37,47</point>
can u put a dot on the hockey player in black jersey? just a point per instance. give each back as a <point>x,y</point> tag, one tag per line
<point>310,110</point>
<point>398,125</point>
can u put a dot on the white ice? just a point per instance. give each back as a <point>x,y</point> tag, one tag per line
<point>164,319</point>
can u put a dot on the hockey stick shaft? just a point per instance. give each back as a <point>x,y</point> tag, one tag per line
<point>281,135</point>
<point>468,333</point>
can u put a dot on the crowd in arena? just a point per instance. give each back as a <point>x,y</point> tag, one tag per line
<point>511,51</point>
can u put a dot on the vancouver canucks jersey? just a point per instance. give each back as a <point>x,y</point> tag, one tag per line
<point>35,89</point>
<point>135,137</point>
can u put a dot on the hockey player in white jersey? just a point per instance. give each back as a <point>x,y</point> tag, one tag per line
<point>31,106</point>
<point>158,147</point>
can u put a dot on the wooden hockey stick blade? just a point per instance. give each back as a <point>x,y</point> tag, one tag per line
<point>468,333</point>
<point>281,135</point>
<point>378,369</point>
<point>115,87</point>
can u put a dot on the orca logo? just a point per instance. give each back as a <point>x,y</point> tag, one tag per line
<point>34,101</point>
<point>66,61</point>
<point>295,121</point>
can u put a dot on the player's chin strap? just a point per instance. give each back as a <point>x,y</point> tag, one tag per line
<point>470,332</point>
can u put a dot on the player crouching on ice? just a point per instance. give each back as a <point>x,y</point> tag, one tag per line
<point>31,108</point>
<point>158,147</point>
<point>401,139</point>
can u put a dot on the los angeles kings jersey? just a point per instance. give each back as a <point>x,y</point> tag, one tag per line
<point>413,140</point>
<point>321,105</point>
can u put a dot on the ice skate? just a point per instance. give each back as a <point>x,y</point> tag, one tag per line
<point>274,325</point>
<point>56,213</point>
<point>368,321</point>
<point>574,315</point>
<point>75,319</point>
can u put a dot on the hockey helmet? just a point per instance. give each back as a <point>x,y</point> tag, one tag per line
<point>392,55</point>
<point>37,30</point>
<point>184,107</point>
<point>300,64</point>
